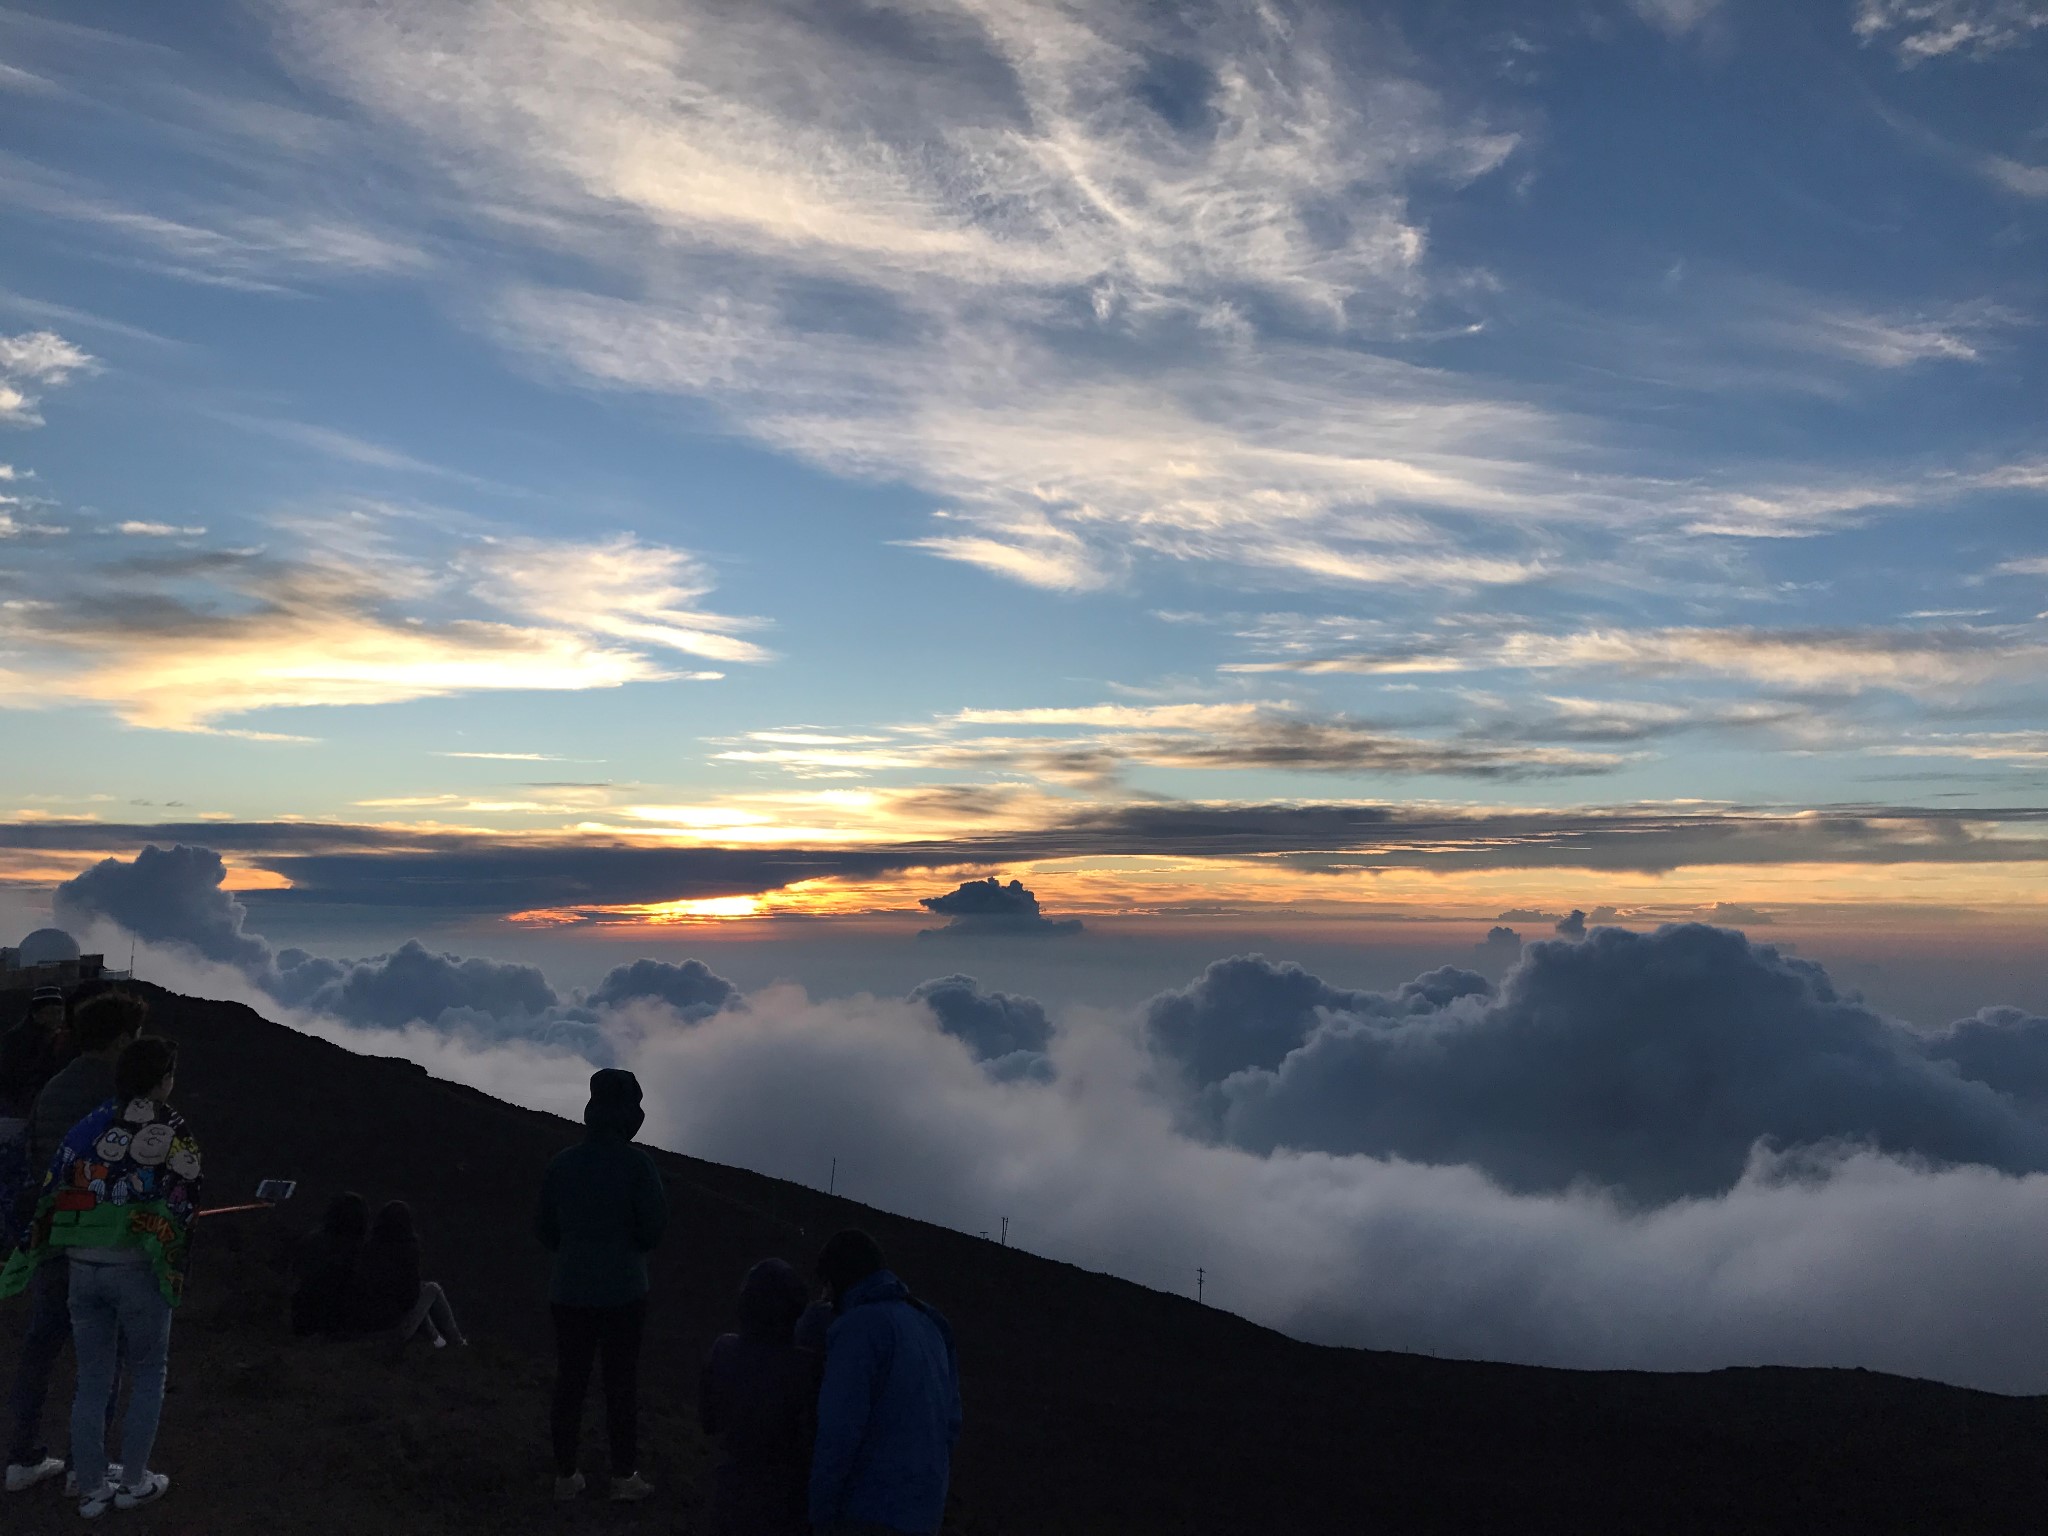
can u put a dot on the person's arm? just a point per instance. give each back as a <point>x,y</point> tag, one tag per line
<point>547,1224</point>
<point>853,1367</point>
<point>650,1206</point>
<point>955,1416</point>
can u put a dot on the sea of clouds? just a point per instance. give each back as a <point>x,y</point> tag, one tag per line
<point>1669,1149</point>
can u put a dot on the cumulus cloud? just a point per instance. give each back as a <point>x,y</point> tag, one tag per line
<point>2005,1048</point>
<point>691,988</point>
<point>29,361</point>
<point>1008,1033</point>
<point>176,897</point>
<point>988,908</point>
<point>1501,946</point>
<point>1250,1013</point>
<point>1572,925</point>
<point>166,895</point>
<point>1646,1064</point>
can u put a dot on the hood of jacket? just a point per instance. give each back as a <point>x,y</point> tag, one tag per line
<point>614,1107</point>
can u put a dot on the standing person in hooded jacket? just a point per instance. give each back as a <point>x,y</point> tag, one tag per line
<point>602,1211</point>
<point>889,1409</point>
<point>757,1398</point>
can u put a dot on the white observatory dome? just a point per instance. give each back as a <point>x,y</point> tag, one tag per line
<point>46,946</point>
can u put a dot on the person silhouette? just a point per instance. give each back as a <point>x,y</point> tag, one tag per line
<point>602,1211</point>
<point>757,1398</point>
<point>889,1406</point>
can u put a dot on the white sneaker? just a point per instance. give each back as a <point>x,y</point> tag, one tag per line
<point>154,1486</point>
<point>630,1489</point>
<point>71,1478</point>
<point>566,1488</point>
<point>25,1475</point>
<point>92,1505</point>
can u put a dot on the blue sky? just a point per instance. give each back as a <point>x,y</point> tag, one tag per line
<point>774,426</point>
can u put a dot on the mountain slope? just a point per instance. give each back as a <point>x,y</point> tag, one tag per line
<point>1093,1405</point>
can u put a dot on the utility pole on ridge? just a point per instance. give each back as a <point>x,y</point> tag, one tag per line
<point>1199,1274</point>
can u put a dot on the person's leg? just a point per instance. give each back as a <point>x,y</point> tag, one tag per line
<point>49,1330</point>
<point>416,1315</point>
<point>442,1316</point>
<point>623,1327</point>
<point>95,1336</point>
<point>146,1345</point>
<point>575,1353</point>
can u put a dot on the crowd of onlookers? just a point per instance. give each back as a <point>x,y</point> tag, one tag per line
<point>834,1410</point>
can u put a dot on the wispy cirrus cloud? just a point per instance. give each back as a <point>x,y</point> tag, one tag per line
<point>1918,30</point>
<point>1921,661</point>
<point>187,641</point>
<point>257,248</point>
<point>1094,278</point>
<point>1111,285</point>
<point>1095,745</point>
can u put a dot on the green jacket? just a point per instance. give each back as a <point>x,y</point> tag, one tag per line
<point>602,1211</point>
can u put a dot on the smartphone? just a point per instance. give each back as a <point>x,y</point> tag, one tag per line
<point>276,1191</point>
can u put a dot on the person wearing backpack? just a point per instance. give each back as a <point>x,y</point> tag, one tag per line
<point>103,1029</point>
<point>118,1207</point>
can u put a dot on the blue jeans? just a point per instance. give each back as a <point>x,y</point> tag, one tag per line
<point>117,1315</point>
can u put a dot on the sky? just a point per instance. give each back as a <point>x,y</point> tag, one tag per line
<point>578,481</point>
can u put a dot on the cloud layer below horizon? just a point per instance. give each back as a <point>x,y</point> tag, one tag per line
<point>1676,1148</point>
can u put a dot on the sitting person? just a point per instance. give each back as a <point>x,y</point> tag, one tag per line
<point>393,1298</point>
<point>327,1286</point>
<point>756,1398</point>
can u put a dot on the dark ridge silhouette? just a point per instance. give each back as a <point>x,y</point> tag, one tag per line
<point>1093,1405</point>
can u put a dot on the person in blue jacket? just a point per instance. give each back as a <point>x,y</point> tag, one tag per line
<point>602,1211</point>
<point>889,1407</point>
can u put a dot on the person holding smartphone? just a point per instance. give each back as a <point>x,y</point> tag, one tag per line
<point>117,1207</point>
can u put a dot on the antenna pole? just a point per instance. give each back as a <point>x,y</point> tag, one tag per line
<point>832,1187</point>
<point>1006,1231</point>
<point>1200,1275</point>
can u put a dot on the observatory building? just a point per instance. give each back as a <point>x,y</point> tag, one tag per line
<point>49,957</point>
